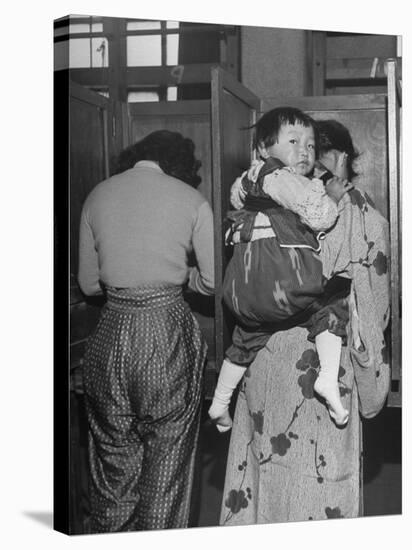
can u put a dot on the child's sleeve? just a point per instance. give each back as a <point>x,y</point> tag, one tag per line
<point>333,317</point>
<point>306,197</point>
<point>241,186</point>
<point>238,193</point>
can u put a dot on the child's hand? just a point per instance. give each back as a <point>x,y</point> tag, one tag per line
<point>336,187</point>
<point>237,194</point>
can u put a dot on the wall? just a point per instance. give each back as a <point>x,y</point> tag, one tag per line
<point>273,61</point>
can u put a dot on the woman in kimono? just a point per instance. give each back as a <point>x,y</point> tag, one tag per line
<point>287,460</point>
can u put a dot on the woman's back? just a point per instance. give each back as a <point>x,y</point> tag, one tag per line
<point>142,221</point>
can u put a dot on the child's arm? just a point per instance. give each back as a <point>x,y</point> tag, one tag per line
<point>237,191</point>
<point>237,194</point>
<point>306,197</point>
<point>229,377</point>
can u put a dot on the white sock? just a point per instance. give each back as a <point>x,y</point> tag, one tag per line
<point>229,377</point>
<point>329,348</point>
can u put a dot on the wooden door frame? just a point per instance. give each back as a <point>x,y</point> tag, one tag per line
<point>394,137</point>
<point>221,83</point>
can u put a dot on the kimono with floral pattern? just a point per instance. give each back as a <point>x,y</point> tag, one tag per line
<point>288,461</point>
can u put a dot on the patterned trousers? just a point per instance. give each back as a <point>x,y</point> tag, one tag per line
<point>143,388</point>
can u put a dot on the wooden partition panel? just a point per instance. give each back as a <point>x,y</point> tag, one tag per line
<point>89,164</point>
<point>365,117</point>
<point>234,109</point>
<point>90,118</point>
<point>89,155</point>
<point>190,118</point>
<point>373,121</point>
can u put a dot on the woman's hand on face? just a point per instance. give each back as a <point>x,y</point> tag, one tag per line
<point>341,169</point>
<point>336,187</point>
<point>335,162</point>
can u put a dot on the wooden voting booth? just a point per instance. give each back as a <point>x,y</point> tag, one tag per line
<point>220,129</point>
<point>374,123</point>
<point>89,118</point>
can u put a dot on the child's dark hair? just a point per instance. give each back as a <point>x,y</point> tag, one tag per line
<point>268,126</point>
<point>173,152</point>
<point>334,135</point>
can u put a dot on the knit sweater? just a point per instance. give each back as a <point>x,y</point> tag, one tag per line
<point>139,227</point>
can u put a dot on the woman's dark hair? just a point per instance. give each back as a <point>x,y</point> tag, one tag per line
<point>173,152</point>
<point>334,135</point>
<point>268,126</point>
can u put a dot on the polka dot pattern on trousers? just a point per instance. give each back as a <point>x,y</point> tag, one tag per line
<point>143,382</point>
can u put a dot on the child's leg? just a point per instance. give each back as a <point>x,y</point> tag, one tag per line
<point>229,377</point>
<point>329,347</point>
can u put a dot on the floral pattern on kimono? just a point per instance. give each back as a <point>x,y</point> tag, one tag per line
<point>288,461</point>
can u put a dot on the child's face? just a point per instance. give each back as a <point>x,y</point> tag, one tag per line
<point>295,147</point>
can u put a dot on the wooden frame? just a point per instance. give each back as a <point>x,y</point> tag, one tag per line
<point>394,137</point>
<point>224,85</point>
<point>224,88</point>
<point>89,164</point>
<point>118,78</point>
<point>318,62</point>
<point>358,69</point>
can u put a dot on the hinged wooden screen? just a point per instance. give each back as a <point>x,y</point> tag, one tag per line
<point>234,110</point>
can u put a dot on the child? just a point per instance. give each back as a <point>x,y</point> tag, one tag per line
<point>274,279</point>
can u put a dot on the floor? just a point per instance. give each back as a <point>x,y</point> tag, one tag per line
<point>382,463</point>
<point>382,468</point>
